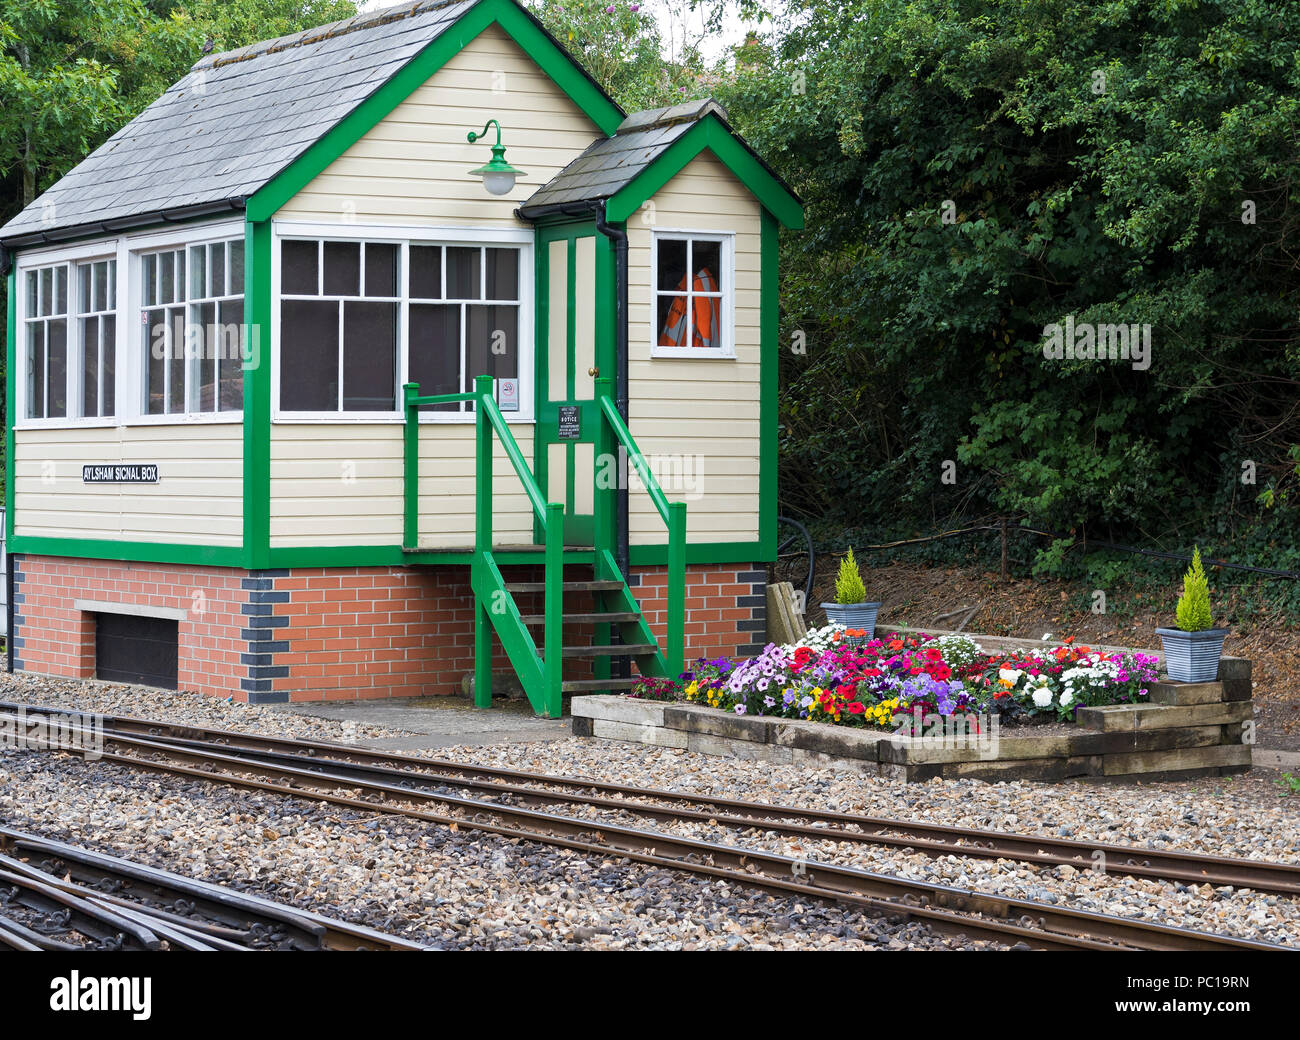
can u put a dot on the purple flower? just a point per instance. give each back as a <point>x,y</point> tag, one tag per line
<point>740,709</point>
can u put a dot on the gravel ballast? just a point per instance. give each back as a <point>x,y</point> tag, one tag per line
<point>462,890</point>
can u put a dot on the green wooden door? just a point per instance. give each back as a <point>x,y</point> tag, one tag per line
<point>571,278</point>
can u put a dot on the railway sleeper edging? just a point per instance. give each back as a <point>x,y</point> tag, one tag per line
<point>1185,730</point>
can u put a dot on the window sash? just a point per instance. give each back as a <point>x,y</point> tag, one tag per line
<point>494,270</point>
<point>724,295</point>
<point>181,287</point>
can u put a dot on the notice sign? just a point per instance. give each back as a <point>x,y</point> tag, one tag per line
<point>120,474</point>
<point>570,422</point>
<point>508,395</point>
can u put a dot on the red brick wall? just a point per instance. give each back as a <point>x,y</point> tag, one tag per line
<point>52,637</point>
<point>336,633</point>
<point>726,607</point>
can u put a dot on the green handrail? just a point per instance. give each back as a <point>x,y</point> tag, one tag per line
<point>674,517</point>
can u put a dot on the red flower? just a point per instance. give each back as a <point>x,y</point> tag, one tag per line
<point>855,708</point>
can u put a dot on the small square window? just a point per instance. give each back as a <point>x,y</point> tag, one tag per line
<point>692,296</point>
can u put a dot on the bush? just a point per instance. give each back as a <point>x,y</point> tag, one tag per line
<point>848,583</point>
<point>1194,604</point>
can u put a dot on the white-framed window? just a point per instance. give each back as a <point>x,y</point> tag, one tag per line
<point>86,332</point>
<point>693,293</point>
<point>363,310</point>
<point>192,316</point>
<point>45,342</point>
<point>96,337</point>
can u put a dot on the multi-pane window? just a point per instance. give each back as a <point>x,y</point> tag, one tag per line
<point>464,317</point>
<point>46,342</point>
<point>97,335</point>
<point>338,326</point>
<point>690,293</point>
<point>341,312</point>
<point>193,302</point>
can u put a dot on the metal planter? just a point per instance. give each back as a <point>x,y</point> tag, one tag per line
<point>1192,656</point>
<point>853,615</point>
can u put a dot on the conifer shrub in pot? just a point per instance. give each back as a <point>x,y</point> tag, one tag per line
<point>1192,650</point>
<point>851,608</point>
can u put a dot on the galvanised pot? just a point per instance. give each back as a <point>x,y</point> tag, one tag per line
<point>1192,656</point>
<point>853,615</point>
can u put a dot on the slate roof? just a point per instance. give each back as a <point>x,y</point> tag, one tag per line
<point>611,163</point>
<point>233,123</point>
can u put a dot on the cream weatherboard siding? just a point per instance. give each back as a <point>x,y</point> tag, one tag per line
<point>341,484</point>
<point>413,167</point>
<point>198,498</point>
<point>699,413</point>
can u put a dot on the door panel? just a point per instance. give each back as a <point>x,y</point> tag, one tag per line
<point>565,452</point>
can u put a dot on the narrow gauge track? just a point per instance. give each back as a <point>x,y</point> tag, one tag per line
<point>51,892</point>
<point>516,786</point>
<point>942,908</point>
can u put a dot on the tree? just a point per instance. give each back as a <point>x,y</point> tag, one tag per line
<point>978,172</point>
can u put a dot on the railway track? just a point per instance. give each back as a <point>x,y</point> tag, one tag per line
<point>790,821</point>
<point>56,897</point>
<point>405,785</point>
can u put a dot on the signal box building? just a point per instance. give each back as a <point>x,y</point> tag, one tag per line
<point>388,352</point>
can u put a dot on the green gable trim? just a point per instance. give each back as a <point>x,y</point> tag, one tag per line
<point>257,396</point>
<point>11,361</point>
<point>712,134</point>
<point>517,24</point>
<point>141,552</point>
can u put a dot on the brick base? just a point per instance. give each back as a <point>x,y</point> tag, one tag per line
<point>339,633</point>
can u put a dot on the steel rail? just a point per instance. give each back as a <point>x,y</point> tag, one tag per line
<point>245,919</point>
<point>925,838</point>
<point>940,905</point>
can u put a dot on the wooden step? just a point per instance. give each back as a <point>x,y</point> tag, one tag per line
<point>593,685</point>
<point>623,650</point>
<point>617,617</point>
<point>568,586</point>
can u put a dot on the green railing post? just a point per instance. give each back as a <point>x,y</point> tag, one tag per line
<point>553,634</point>
<point>482,542</point>
<point>483,467</point>
<point>411,468</point>
<point>675,652</point>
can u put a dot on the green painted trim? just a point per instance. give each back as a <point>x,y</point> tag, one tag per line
<point>513,20</point>
<point>396,556</point>
<point>769,368</point>
<point>257,396</point>
<point>143,552</point>
<point>701,552</point>
<point>712,134</point>
<point>11,369</point>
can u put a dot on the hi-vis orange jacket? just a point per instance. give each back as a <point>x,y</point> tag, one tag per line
<point>705,330</point>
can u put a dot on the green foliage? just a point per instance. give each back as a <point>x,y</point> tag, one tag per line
<point>1194,604</point>
<point>848,583</point>
<point>1290,783</point>
<point>620,44</point>
<point>924,337</point>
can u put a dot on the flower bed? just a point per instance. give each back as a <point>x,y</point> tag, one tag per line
<point>836,675</point>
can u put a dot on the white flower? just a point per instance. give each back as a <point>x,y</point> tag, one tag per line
<point>1067,698</point>
<point>1011,675</point>
<point>1042,697</point>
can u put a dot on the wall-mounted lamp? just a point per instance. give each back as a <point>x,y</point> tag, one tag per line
<point>498,175</point>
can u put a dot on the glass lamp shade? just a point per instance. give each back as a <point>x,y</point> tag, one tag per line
<point>499,182</point>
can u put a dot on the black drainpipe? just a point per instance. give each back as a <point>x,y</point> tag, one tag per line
<point>619,237</point>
